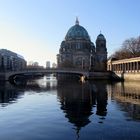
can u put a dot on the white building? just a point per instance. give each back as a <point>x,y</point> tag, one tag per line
<point>54,65</point>
<point>48,64</point>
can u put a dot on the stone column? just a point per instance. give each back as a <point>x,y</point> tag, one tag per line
<point>134,66</point>
<point>120,67</point>
<point>124,67</point>
<point>131,66</point>
<point>114,67</point>
<point>128,67</point>
<point>117,67</point>
<point>137,66</point>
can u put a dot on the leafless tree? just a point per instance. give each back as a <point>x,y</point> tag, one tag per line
<point>130,48</point>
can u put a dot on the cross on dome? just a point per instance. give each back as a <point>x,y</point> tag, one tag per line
<point>77,21</point>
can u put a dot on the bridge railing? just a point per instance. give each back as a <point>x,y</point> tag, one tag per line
<point>44,69</point>
<point>63,69</point>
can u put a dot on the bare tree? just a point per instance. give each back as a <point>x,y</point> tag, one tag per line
<point>129,49</point>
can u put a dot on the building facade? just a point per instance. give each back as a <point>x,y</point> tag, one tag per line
<point>48,64</point>
<point>127,69</point>
<point>78,51</point>
<point>130,65</point>
<point>54,65</point>
<point>10,61</point>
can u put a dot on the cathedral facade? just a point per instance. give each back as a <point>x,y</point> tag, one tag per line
<point>78,51</point>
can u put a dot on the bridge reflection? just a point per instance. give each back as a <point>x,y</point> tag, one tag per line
<point>10,93</point>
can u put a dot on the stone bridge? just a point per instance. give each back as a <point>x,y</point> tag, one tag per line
<point>9,74</point>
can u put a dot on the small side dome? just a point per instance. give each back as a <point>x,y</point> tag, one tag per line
<point>101,37</point>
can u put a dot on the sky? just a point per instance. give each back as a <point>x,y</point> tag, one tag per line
<point>36,28</point>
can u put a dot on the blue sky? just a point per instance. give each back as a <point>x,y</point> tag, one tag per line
<point>35,28</point>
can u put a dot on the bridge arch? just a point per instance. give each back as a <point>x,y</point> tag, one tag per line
<point>12,75</point>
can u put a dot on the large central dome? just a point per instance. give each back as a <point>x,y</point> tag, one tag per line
<point>77,32</point>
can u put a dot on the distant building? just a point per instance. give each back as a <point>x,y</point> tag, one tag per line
<point>48,64</point>
<point>34,65</point>
<point>11,61</point>
<point>54,65</point>
<point>78,51</point>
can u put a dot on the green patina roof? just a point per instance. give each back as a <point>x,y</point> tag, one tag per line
<point>77,32</point>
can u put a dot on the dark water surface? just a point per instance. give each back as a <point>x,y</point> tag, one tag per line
<point>47,109</point>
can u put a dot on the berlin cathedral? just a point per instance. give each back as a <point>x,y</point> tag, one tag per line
<point>77,50</point>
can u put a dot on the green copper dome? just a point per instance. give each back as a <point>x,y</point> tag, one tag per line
<point>77,32</point>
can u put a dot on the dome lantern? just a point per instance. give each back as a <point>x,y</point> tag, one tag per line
<point>77,21</point>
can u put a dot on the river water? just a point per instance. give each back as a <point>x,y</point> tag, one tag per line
<point>47,109</point>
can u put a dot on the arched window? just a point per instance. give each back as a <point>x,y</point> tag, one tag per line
<point>78,46</point>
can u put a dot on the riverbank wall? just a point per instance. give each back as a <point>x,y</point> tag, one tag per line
<point>129,76</point>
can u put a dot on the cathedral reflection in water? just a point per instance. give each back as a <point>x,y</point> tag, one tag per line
<point>78,102</point>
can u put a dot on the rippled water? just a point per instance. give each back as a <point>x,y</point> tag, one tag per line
<point>47,109</point>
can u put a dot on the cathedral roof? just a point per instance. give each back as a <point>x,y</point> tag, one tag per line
<point>77,32</point>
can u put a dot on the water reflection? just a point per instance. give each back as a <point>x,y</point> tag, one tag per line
<point>37,85</point>
<point>127,96</point>
<point>9,94</point>
<point>100,92</point>
<point>79,100</point>
<point>92,107</point>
